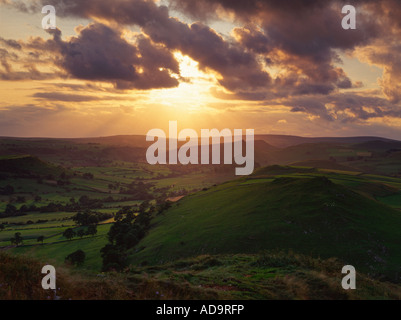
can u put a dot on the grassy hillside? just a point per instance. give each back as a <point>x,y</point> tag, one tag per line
<point>26,164</point>
<point>258,276</point>
<point>324,164</point>
<point>56,247</point>
<point>321,199</point>
<point>305,212</point>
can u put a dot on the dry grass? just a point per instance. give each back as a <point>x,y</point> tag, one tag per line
<point>264,276</point>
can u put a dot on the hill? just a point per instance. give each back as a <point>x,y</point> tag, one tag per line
<point>309,214</point>
<point>366,154</point>
<point>283,141</point>
<point>379,145</point>
<point>27,165</point>
<point>323,164</point>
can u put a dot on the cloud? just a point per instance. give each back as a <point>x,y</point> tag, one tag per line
<point>345,107</point>
<point>386,53</point>
<point>30,71</point>
<point>280,53</point>
<point>10,43</point>
<point>56,96</point>
<point>236,67</point>
<point>303,38</point>
<point>100,53</point>
<point>72,97</point>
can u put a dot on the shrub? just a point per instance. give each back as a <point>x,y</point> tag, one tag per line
<point>77,257</point>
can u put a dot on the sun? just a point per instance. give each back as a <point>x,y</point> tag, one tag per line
<point>193,92</point>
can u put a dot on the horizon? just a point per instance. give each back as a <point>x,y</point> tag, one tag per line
<point>167,137</point>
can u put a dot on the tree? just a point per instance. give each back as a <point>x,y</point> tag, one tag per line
<point>40,239</point>
<point>92,230</point>
<point>10,210</point>
<point>69,233</point>
<point>17,240</point>
<point>124,234</point>
<point>87,218</point>
<point>114,257</point>
<point>77,257</point>
<point>2,227</point>
<point>80,233</point>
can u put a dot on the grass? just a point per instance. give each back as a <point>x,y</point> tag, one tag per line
<point>29,235</point>
<point>392,200</point>
<point>57,248</point>
<point>38,216</point>
<point>267,275</point>
<point>312,216</point>
<point>208,244</point>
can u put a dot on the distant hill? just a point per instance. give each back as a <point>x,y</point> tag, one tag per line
<point>27,165</point>
<point>379,145</point>
<point>366,154</point>
<point>308,215</point>
<point>138,141</point>
<point>279,141</point>
<point>279,170</point>
<point>324,164</point>
<point>283,141</point>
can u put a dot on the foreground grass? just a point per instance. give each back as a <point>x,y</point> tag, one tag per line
<point>257,276</point>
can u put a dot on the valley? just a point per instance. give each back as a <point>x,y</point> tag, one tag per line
<point>322,200</point>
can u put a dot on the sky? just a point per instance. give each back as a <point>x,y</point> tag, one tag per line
<point>128,66</point>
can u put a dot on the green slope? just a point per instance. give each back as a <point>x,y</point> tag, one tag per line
<point>312,216</point>
<point>27,164</point>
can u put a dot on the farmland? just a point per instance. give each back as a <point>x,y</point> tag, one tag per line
<point>315,200</point>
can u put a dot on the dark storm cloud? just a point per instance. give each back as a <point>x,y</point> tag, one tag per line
<point>300,37</point>
<point>309,34</point>
<point>304,43</point>
<point>97,53</point>
<point>237,62</point>
<point>100,53</point>
<point>247,10</point>
<point>237,67</point>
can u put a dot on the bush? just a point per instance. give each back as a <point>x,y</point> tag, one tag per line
<point>77,257</point>
<point>114,258</point>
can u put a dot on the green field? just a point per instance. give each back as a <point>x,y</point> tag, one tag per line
<point>307,213</point>
<point>265,235</point>
<point>56,248</point>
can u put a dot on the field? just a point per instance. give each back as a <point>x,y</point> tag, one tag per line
<point>269,235</point>
<point>356,227</point>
